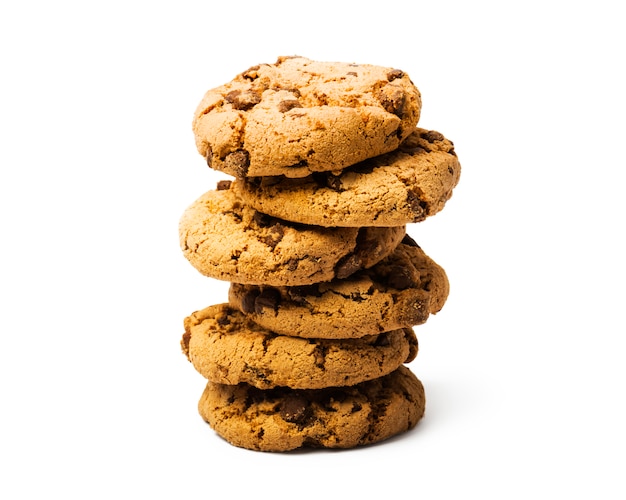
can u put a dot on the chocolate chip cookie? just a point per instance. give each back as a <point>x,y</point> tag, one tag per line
<point>401,187</point>
<point>226,347</point>
<point>401,290</point>
<point>228,240</point>
<point>299,116</point>
<point>284,419</point>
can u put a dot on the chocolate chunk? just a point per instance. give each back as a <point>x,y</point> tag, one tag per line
<point>348,266</point>
<point>394,73</point>
<point>295,409</point>
<point>392,99</point>
<point>269,298</point>
<point>249,299</point>
<point>224,185</point>
<point>243,100</point>
<point>400,278</point>
<point>292,264</point>
<point>432,136</point>
<point>286,105</point>
<point>237,162</point>
<point>276,233</point>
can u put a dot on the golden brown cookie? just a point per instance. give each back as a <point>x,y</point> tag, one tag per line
<point>227,240</point>
<point>226,347</point>
<point>283,419</point>
<point>298,116</point>
<point>397,188</point>
<point>402,290</point>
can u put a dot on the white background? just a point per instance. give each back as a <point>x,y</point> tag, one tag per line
<point>523,368</point>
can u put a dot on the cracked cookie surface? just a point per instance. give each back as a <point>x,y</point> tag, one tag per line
<point>283,419</point>
<point>226,347</point>
<point>400,291</point>
<point>298,116</point>
<point>227,240</point>
<point>401,187</point>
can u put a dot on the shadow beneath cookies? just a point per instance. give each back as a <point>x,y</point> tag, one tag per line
<point>448,403</point>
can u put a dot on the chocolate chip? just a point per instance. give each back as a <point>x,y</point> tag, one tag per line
<point>286,105</point>
<point>292,264</point>
<point>223,320</point>
<point>348,266</point>
<point>416,205</point>
<point>394,73</point>
<point>407,240</point>
<point>295,409</point>
<point>432,136</point>
<point>274,236</point>
<point>237,162</point>
<point>400,278</point>
<point>224,185</point>
<point>248,300</point>
<point>269,298</point>
<point>392,99</point>
<point>243,100</point>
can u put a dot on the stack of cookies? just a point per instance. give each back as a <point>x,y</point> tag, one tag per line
<point>326,168</point>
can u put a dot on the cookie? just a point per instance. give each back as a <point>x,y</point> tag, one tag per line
<point>404,186</point>
<point>226,347</point>
<point>299,116</point>
<point>227,240</point>
<point>400,291</point>
<point>284,419</point>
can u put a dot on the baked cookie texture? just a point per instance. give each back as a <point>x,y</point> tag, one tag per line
<point>226,347</point>
<point>400,291</point>
<point>299,116</point>
<point>228,240</point>
<point>329,166</point>
<point>404,186</point>
<point>283,419</point>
